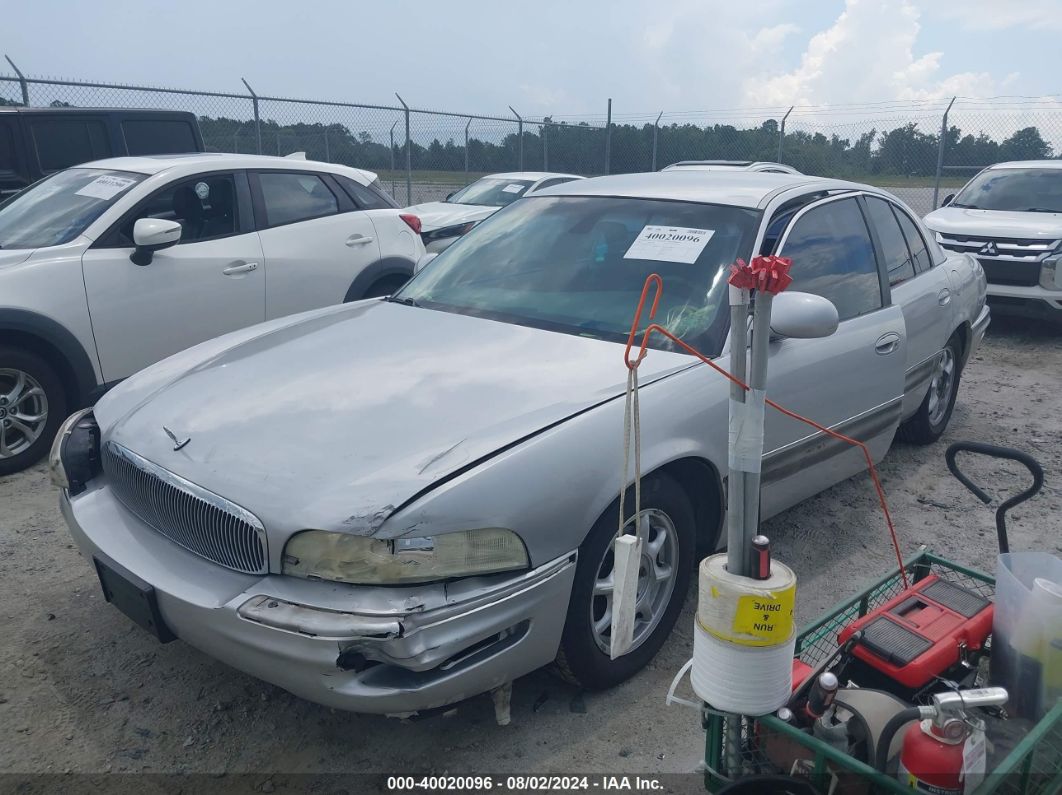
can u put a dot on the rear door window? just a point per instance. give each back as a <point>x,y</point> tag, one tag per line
<point>158,136</point>
<point>833,257</point>
<point>295,196</point>
<point>61,143</point>
<point>898,262</point>
<point>915,241</point>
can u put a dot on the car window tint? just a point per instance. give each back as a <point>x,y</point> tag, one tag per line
<point>204,206</point>
<point>7,146</point>
<point>62,143</point>
<point>915,241</point>
<point>293,197</point>
<point>365,197</point>
<point>158,136</point>
<point>833,257</point>
<point>898,262</point>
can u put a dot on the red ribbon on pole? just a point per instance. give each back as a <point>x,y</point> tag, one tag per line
<point>768,274</point>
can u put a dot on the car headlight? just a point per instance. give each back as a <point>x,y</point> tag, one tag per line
<point>75,456</point>
<point>939,237</point>
<point>448,231</point>
<point>341,557</point>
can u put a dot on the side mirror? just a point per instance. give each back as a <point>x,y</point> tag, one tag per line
<point>151,235</point>
<point>450,195</point>
<point>803,316</point>
<point>424,260</point>
<point>948,200</point>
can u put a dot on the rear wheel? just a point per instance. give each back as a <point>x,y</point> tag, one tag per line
<point>385,286</point>
<point>663,578</point>
<point>32,404</point>
<point>931,420</point>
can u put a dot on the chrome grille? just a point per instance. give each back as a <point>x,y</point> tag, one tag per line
<point>1008,249</point>
<point>187,514</point>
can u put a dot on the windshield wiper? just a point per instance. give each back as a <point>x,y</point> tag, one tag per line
<point>962,206</point>
<point>403,301</point>
<point>1040,210</point>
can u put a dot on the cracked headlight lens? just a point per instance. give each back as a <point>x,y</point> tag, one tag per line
<point>341,557</point>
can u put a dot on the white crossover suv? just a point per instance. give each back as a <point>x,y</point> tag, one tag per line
<point>1010,217</point>
<point>113,265</point>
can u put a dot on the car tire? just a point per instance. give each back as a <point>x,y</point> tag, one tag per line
<point>582,658</point>
<point>386,286</point>
<point>29,387</point>
<point>931,420</point>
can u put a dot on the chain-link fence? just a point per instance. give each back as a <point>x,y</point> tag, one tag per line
<point>920,150</point>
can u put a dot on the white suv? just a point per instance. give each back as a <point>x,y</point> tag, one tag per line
<point>113,265</point>
<point>1010,217</point>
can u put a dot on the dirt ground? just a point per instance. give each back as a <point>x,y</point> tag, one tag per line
<point>84,690</point>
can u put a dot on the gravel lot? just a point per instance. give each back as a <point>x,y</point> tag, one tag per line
<point>83,690</point>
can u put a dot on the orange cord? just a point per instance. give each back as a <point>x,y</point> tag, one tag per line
<point>655,280</point>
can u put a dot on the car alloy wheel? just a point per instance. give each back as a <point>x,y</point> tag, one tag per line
<point>657,572</point>
<point>23,411</point>
<point>941,386</point>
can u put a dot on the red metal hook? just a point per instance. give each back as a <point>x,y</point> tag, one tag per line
<point>652,279</point>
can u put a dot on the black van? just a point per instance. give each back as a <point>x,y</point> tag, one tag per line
<point>36,142</point>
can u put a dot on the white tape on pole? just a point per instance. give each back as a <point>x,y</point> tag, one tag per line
<point>627,553</point>
<point>746,432</point>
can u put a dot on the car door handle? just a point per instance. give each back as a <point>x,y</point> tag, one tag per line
<point>243,267</point>
<point>358,240</point>
<point>944,297</point>
<point>887,343</point>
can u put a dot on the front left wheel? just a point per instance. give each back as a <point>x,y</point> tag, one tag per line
<point>32,405</point>
<point>663,579</point>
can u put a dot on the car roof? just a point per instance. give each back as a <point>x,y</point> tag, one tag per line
<point>534,176</point>
<point>197,161</point>
<point>752,189</point>
<point>1057,164</point>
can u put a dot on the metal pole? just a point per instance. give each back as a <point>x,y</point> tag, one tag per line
<point>393,157</point>
<point>781,134</point>
<point>409,155</point>
<point>21,81</point>
<point>545,146</point>
<point>608,137</point>
<point>736,561</point>
<point>940,152</point>
<point>761,335</point>
<point>467,125</point>
<point>257,119</point>
<point>520,146</point>
<point>656,129</point>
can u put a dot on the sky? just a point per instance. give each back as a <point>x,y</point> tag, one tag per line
<point>550,57</point>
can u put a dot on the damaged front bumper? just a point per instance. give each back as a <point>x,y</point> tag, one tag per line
<point>367,649</point>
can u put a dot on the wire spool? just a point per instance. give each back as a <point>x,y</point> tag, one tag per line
<point>744,611</point>
<point>744,680</point>
<point>744,638</point>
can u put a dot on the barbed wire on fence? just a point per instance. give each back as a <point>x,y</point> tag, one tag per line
<point>423,154</point>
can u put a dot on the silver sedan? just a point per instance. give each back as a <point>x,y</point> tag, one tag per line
<point>396,504</point>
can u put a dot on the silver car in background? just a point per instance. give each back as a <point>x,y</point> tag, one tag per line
<point>397,504</point>
<point>1009,216</point>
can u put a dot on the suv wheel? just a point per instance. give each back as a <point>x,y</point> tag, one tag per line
<point>930,421</point>
<point>32,405</point>
<point>663,579</point>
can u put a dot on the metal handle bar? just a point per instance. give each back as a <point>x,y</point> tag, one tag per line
<point>995,451</point>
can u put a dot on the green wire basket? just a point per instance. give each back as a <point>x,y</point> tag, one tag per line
<point>1033,766</point>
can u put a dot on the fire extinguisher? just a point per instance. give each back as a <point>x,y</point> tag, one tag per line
<point>944,749</point>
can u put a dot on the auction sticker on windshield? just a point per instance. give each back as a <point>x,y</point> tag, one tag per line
<point>513,188</point>
<point>669,244</point>
<point>106,187</point>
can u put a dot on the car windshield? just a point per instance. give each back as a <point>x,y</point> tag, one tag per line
<point>492,192</point>
<point>1014,189</point>
<point>577,264</point>
<point>60,207</point>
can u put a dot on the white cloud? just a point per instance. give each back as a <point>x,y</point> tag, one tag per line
<point>868,54</point>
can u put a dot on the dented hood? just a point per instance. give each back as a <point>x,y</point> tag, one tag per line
<point>334,420</point>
